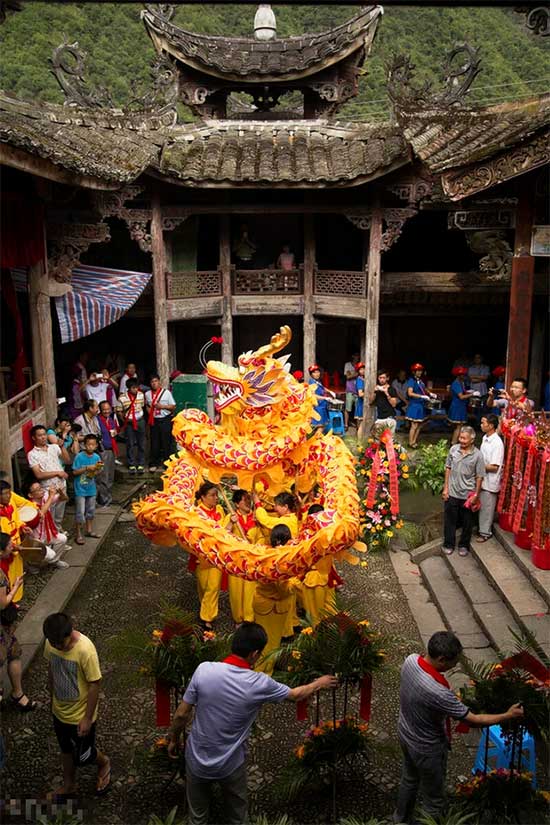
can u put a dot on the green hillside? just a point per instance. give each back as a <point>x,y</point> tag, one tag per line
<point>515,63</point>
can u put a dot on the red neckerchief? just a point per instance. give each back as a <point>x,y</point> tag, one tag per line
<point>213,513</point>
<point>132,411</point>
<point>435,674</point>
<point>237,661</point>
<point>110,424</point>
<point>247,521</point>
<point>6,511</point>
<point>154,399</point>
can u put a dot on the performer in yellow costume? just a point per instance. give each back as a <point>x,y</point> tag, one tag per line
<point>272,603</point>
<point>241,592</point>
<point>11,524</point>
<point>209,578</point>
<point>285,508</point>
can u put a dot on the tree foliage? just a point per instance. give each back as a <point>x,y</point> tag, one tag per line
<point>515,63</point>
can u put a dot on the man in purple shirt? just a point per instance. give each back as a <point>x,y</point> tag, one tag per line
<point>226,697</point>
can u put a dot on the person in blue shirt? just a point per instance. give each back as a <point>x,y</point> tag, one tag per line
<point>499,374</point>
<point>360,390</point>
<point>86,465</point>
<point>458,408</point>
<point>416,408</point>
<point>322,407</point>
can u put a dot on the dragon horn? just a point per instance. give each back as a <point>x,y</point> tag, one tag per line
<point>278,342</point>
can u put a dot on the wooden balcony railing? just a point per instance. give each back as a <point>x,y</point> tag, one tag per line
<point>14,413</point>
<point>267,281</point>
<point>340,282</point>
<point>193,284</point>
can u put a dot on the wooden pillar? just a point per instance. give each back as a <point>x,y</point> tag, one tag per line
<point>225,269</point>
<point>537,359</point>
<point>310,329</point>
<point>372,313</point>
<point>159,290</point>
<point>42,337</point>
<point>521,289</point>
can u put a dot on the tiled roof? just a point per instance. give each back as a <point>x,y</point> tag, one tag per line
<point>290,153</point>
<point>459,137</point>
<point>248,59</point>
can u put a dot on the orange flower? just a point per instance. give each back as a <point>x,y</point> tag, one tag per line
<point>307,631</point>
<point>157,634</point>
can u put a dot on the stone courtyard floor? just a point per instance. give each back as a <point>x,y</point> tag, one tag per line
<point>122,590</point>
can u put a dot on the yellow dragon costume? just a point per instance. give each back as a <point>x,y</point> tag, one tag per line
<point>264,433</point>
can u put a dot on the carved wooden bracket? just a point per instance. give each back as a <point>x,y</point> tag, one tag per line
<point>394,221</point>
<point>469,219</point>
<point>169,224</point>
<point>412,189</point>
<point>113,205</point>
<point>67,242</point>
<point>496,263</point>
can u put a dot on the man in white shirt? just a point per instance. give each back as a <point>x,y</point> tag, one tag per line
<point>492,453</point>
<point>160,406</point>
<point>45,462</point>
<point>100,387</point>
<point>129,374</point>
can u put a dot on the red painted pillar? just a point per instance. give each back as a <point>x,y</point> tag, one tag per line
<point>521,289</point>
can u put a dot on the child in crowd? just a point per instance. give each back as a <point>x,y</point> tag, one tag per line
<point>74,677</point>
<point>46,530</point>
<point>241,592</point>
<point>86,465</point>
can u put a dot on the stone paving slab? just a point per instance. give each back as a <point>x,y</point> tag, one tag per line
<point>511,583</point>
<point>61,586</point>
<point>470,578</point>
<point>431,548</point>
<point>539,578</point>
<point>449,598</point>
<point>407,572</point>
<point>496,619</point>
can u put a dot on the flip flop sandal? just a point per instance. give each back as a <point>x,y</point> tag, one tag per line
<point>31,704</point>
<point>104,778</point>
<point>93,536</point>
<point>79,541</point>
<point>482,539</point>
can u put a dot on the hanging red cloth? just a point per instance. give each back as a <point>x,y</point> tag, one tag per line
<point>10,297</point>
<point>21,230</point>
<point>365,697</point>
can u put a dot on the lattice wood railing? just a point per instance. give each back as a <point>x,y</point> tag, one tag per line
<point>193,284</point>
<point>340,282</point>
<point>267,281</point>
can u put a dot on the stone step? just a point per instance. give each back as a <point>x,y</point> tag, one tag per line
<point>540,579</point>
<point>516,589</point>
<point>456,610</point>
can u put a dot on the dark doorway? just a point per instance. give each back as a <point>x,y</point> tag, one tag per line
<point>252,332</point>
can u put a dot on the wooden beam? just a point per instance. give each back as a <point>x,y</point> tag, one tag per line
<point>310,330</point>
<point>373,313</point>
<point>42,336</point>
<point>225,267</point>
<point>260,209</point>
<point>185,309</point>
<point>159,290</point>
<point>43,168</point>
<point>522,286</point>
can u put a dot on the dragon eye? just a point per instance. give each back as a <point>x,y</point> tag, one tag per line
<point>242,369</point>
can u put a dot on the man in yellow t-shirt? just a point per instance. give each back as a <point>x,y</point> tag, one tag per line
<point>74,679</point>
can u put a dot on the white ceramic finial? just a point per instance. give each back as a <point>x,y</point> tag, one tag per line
<point>265,24</point>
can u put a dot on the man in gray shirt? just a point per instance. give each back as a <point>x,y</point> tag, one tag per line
<point>226,697</point>
<point>427,703</point>
<point>464,472</point>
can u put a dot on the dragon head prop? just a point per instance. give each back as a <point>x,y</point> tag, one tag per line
<point>258,381</point>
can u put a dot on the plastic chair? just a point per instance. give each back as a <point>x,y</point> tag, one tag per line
<point>336,422</point>
<point>499,753</point>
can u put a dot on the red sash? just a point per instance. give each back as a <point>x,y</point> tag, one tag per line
<point>213,514</point>
<point>131,414</point>
<point>154,399</point>
<point>110,425</point>
<point>237,661</point>
<point>7,512</point>
<point>435,674</point>
<point>247,521</point>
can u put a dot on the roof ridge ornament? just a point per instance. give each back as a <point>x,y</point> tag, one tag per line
<point>458,79</point>
<point>68,64</point>
<point>163,10</point>
<point>265,23</point>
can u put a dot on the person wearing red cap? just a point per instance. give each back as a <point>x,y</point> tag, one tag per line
<point>321,408</point>
<point>458,408</point>
<point>416,408</point>
<point>499,373</point>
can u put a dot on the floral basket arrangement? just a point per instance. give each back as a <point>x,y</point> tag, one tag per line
<point>380,466</point>
<point>503,796</point>
<point>177,649</point>
<point>520,678</point>
<point>340,644</point>
<point>325,748</point>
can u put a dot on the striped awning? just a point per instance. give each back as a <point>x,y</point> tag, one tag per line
<point>99,297</point>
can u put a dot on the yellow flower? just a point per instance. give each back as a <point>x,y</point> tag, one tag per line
<point>405,468</point>
<point>208,635</point>
<point>296,654</point>
<point>405,475</point>
<point>157,634</point>
<point>545,795</point>
<point>363,564</point>
<point>379,527</point>
<point>300,751</point>
<point>389,533</point>
<point>364,623</point>
<point>402,456</point>
<point>375,543</point>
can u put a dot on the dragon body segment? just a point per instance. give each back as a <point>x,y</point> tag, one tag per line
<point>265,433</point>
